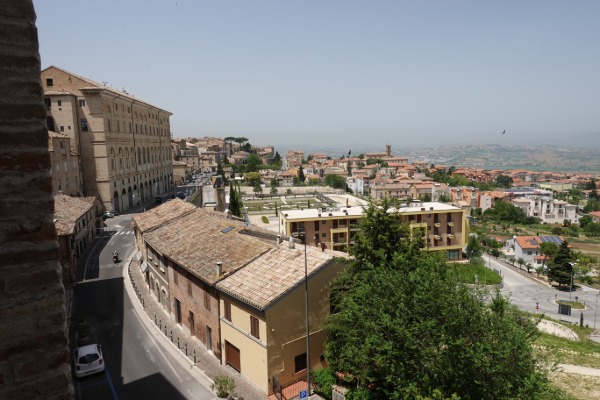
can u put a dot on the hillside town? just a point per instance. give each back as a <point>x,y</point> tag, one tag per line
<point>221,218</point>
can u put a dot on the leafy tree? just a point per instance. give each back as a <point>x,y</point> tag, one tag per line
<point>560,267</point>
<point>444,197</point>
<point>274,184</point>
<point>257,188</point>
<point>335,181</point>
<point>314,182</point>
<point>495,252</point>
<point>520,261</point>
<point>506,212</point>
<point>504,181</point>
<point>426,197</point>
<point>252,178</point>
<point>474,248</point>
<point>400,327</point>
<point>252,163</point>
<point>276,160</point>
<point>593,204</point>
<point>349,170</point>
<point>548,250</point>
<point>592,229</point>
<point>221,173</point>
<point>584,220</point>
<point>240,140</point>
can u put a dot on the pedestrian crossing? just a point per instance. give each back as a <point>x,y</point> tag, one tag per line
<point>118,232</point>
<point>124,232</point>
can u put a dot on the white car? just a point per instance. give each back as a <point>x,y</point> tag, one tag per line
<point>88,360</point>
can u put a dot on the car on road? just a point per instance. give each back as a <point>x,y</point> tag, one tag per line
<point>107,214</point>
<point>88,360</point>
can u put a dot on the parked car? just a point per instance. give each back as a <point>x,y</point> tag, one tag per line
<point>107,214</point>
<point>88,360</point>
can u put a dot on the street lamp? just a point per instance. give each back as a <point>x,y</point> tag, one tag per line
<point>572,264</point>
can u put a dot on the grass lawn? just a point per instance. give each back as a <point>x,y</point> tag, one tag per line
<point>467,272</point>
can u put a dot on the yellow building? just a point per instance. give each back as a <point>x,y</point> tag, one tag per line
<point>445,226</point>
<point>124,143</point>
<point>263,314</point>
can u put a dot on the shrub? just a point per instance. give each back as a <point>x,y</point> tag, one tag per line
<point>265,219</point>
<point>224,386</point>
<point>322,380</point>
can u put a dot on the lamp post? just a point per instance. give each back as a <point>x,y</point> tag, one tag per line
<point>572,264</point>
<point>596,309</point>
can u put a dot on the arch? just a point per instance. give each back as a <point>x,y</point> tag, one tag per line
<point>116,207</point>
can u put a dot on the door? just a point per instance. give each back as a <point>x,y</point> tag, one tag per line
<point>208,338</point>
<point>192,324</point>
<point>178,311</point>
<point>232,356</point>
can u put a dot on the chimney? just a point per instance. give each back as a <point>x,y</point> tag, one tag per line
<point>219,268</point>
<point>278,240</point>
<point>291,244</point>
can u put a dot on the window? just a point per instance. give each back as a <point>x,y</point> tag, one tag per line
<point>300,362</point>
<point>116,107</point>
<point>189,285</point>
<point>49,82</point>
<point>254,327</point>
<point>81,103</point>
<point>59,102</point>
<point>316,225</point>
<point>323,234</point>
<point>175,277</point>
<point>206,300</point>
<point>48,103</point>
<point>227,309</point>
<point>62,129</point>
<point>84,124</point>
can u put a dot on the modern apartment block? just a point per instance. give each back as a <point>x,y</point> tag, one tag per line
<point>444,226</point>
<point>124,143</point>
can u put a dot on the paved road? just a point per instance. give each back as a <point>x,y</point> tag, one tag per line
<point>137,365</point>
<point>526,292</point>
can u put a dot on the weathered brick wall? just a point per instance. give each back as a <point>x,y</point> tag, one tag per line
<point>34,356</point>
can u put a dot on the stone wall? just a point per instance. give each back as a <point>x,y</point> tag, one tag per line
<point>34,356</point>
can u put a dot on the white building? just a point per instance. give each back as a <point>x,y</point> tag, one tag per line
<point>547,209</point>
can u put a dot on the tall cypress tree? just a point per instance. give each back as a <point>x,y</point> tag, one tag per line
<point>234,205</point>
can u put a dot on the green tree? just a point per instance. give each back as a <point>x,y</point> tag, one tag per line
<point>593,204</point>
<point>520,261</point>
<point>221,173</point>
<point>257,188</point>
<point>252,178</point>
<point>230,139</point>
<point>443,197</point>
<point>548,250</point>
<point>301,176</point>
<point>335,181</point>
<point>584,220</point>
<point>560,267</point>
<point>474,248</point>
<point>504,181</point>
<point>235,207</point>
<point>276,160</point>
<point>274,184</point>
<point>592,229</point>
<point>252,163</point>
<point>400,327</point>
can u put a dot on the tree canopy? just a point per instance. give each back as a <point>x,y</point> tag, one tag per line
<point>335,181</point>
<point>405,328</point>
<point>560,267</point>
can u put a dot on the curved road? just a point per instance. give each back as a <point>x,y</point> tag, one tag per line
<point>526,293</point>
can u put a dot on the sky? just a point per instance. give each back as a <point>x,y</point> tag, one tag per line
<point>347,74</point>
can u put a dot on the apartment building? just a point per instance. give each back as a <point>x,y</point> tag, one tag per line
<point>547,209</point>
<point>444,226</point>
<point>66,170</point>
<point>263,315</point>
<point>123,142</point>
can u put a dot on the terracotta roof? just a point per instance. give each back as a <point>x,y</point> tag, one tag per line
<point>533,242</point>
<point>162,214</point>
<point>270,276</point>
<point>198,240</point>
<point>67,210</point>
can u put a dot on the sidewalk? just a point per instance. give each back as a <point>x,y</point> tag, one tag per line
<point>172,334</point>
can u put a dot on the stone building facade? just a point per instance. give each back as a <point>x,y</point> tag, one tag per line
<point>66,169</point>
<point>34,354</point>
<point>124,143</point>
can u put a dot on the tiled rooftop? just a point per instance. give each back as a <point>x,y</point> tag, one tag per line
<point>162,214</point>
<point>198,240</point>
<point>273,274</point>
<point>67,210</point>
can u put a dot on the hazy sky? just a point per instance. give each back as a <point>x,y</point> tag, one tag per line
<point>342,73</point>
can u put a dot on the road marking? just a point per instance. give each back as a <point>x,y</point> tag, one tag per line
<point>112,387</point>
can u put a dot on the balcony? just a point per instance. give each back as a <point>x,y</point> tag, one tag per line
<point>450,223</point>
<point>437,224</point>
<point>437,237</point>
